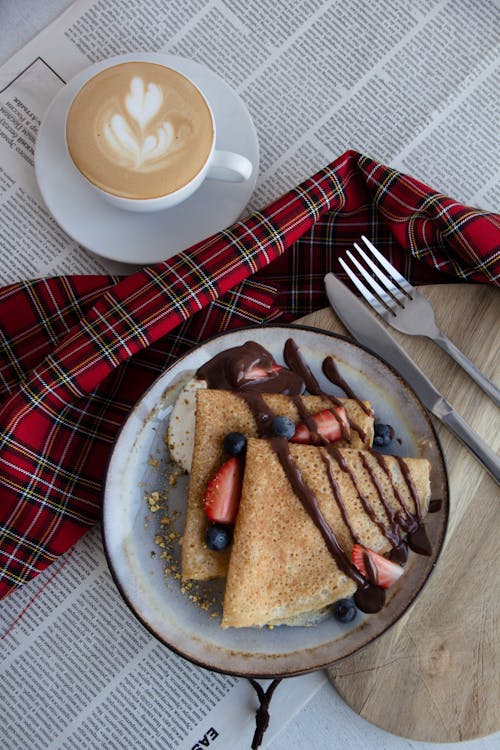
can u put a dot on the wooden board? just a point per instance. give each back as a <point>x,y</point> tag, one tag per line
<point>435,675</point>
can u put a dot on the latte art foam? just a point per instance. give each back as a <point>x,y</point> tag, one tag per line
<point>139,130</point>
<point>135,135</point>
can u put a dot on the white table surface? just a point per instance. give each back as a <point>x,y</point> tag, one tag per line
<point>326,721</point>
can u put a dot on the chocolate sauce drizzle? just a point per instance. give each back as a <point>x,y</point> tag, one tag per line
<point>435,505</point>
<point>262,413</point>
<point>226,371</point>
<point>296,362</point>
<point>369,597</point>
<point>390,532</point>
<point>338,497</point>
<point>330,370</point>
<point>402,528</point>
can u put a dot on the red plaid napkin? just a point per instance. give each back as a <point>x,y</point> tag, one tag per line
<point>77,352</point>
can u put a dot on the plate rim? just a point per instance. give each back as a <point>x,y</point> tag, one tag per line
<point>260,674</point>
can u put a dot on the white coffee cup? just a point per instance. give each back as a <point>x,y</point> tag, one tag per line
<point>143,136</point>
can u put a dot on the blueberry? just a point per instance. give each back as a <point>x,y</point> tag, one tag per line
<point>284,427</point>
<point>345,610</point>
<point>235,443</point>
<point>218,536</point>
<point>383,434</point>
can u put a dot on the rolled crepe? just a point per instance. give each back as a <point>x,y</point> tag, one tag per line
<point>217,414</point>
<point>280,570</point>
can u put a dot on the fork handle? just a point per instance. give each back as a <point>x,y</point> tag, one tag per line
<point>469,367</point>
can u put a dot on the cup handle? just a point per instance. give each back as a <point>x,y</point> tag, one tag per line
<point>230,167</point>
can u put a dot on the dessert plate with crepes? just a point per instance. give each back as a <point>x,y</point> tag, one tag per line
<point>313,513</point>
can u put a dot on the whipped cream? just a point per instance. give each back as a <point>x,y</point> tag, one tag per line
<point>182,421</point>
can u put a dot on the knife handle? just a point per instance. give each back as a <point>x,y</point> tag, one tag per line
<point>463,431</point>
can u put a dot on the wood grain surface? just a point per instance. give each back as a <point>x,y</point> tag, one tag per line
<point>434,676</point>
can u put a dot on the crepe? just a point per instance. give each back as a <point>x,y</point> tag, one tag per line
<point>280,567</point>
<point>218,413</point>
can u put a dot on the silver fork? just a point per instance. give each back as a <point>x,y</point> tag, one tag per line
<point>405,309</point>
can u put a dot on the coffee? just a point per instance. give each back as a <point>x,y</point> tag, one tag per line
<point>139,130</point>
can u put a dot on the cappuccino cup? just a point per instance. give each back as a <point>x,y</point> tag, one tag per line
<point>143,136</point>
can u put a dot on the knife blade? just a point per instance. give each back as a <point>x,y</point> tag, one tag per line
<point>366,329</point>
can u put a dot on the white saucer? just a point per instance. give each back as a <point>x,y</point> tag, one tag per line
<point>145,238</point>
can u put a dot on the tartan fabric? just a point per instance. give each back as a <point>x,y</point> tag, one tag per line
<point>77,352</point>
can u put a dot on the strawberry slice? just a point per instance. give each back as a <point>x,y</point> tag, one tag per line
<point>260,373</point>
<point>376,568</point>
<point>328,423</point>
<point>222,496</point>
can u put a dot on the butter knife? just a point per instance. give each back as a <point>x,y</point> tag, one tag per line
<point>368,331</point>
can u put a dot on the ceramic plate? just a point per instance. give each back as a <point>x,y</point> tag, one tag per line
<point>131,237</point>
<point>133,531</point>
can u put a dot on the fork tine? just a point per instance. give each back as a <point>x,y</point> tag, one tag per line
<point>369,297</point>
<point>393,289</point>
<point>381,294</point>
<point>393,272</point>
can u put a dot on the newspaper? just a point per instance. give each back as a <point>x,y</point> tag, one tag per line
<point>78,656</point>
<point>410,84</point>
<point>413,85</point>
